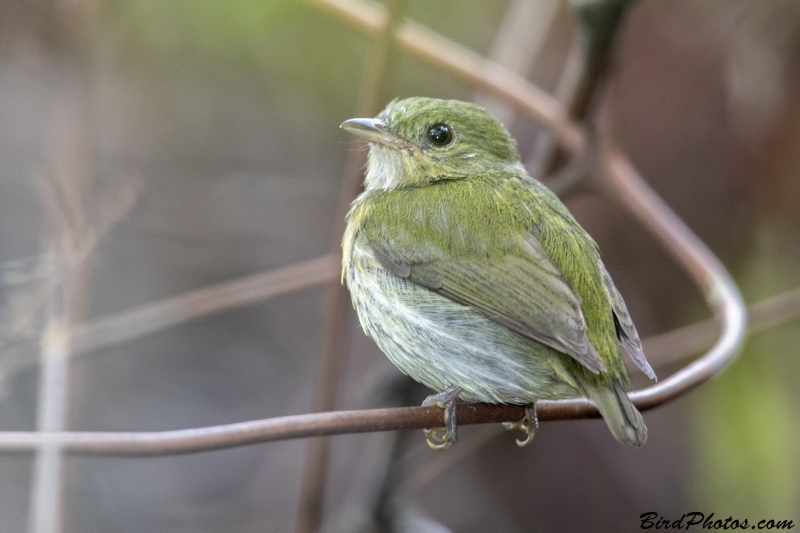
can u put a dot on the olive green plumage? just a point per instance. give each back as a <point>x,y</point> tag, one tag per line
<point>467,272</point>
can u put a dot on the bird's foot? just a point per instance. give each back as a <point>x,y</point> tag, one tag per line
<point>447,401</point>
<point>529,424</point>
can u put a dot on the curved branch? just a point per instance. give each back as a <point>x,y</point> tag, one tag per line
<point>719,289</point>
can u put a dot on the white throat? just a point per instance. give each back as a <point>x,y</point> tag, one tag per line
<point>384,168</point>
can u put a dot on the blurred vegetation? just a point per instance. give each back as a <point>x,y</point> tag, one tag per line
<point>746,425</point>
<point>275,40</point>
<point>285,40</point>
<point>747,429</point>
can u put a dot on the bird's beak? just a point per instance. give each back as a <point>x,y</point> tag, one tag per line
<point>374,130</point>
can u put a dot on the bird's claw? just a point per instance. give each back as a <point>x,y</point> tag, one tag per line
<point>437,442</point>
<point>529,424</point>
<point>447,401</point>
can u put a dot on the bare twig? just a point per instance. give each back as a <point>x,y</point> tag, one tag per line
<point>199,303</point>
<point>46,485</point>
<point>678,344</point>
<point>517,44</point>
<point>64,188</point>
<point>156,316</point>
<point>272,429</point>
<point>565,92</point>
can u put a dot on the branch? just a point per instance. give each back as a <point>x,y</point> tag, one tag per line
<point>678,344</point>
<point>719,289</point>
<point>191,305</point>
<point>271,429</point>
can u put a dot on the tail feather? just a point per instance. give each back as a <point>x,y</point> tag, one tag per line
<point>623,419</point>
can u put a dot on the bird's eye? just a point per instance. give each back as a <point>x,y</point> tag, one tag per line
<point>440,134</point>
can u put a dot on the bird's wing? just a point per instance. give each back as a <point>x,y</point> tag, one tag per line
<point>524,291</point>
<point>626,331</point>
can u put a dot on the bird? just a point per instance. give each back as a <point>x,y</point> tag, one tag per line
<point>475,280</point>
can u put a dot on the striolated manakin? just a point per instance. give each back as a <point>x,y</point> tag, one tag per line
<point>475,279</point>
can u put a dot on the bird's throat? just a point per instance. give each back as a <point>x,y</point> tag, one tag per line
<point>385,168</point>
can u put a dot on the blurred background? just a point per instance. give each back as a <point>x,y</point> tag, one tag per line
<point>151,148</point>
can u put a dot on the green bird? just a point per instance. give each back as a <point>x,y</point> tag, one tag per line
<point>474,279</point>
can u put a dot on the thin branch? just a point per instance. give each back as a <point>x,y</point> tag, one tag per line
<point>199,303</point>
<point>678,344</point>
<point>566,91</point>
<point>46,499</point>
<point>64,186</point>
<point>169,312</point>
<point>268,430</point>
<point>517,45</point>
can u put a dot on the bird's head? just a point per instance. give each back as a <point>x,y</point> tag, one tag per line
<point>418,141</point>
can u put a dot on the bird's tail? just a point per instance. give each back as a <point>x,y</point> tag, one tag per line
<point>622,417</point>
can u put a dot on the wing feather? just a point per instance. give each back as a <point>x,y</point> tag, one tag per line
<point>525,292</point>
<point>626,331</point>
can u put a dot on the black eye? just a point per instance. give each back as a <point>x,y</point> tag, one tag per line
<point>440,134</point>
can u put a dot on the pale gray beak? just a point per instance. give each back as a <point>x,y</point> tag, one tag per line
<point>374,130</point>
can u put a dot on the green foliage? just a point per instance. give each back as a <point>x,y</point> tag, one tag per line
<point>284,41</point>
